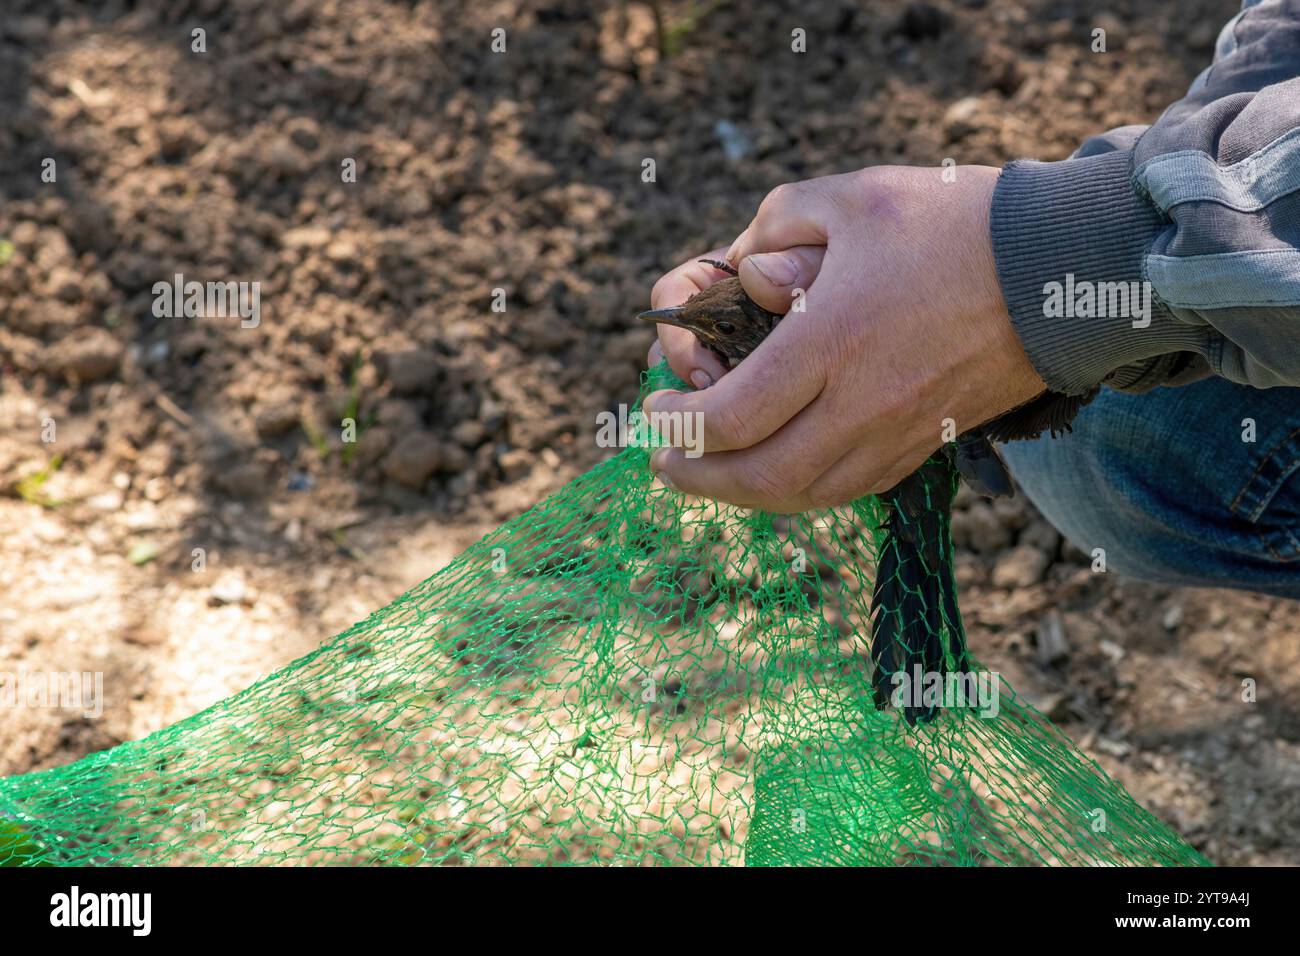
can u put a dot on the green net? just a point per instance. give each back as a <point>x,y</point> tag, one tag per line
<point>617,676</point>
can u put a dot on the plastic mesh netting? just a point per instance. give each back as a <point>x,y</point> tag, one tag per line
<point>617,676</point>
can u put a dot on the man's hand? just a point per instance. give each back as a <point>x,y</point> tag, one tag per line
<point>903,329</point>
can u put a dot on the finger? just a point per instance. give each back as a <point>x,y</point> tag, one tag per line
<point>775,475</point>
<point>861,471</point>
<point>793,214</point>
<point>771,278</point>
<point>655,355</point>
<point>776,381</point>
<point>690,360</point>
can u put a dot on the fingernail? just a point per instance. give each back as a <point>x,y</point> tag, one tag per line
<point>701,378</point>
<point>656,463</point>
<point>777,268</point>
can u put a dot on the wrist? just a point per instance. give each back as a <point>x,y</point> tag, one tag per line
<point>1015,371</point>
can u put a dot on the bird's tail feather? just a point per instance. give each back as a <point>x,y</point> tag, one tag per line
<point>916,625</point>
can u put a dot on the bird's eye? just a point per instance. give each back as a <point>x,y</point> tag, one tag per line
<point>726,328</point>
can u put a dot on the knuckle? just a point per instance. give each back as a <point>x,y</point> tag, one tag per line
<point>779,198</point>
<point>728,427</point>
<point>768,481</point>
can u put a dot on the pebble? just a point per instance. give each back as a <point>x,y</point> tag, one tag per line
<point>1172,617</point>
<point>736,144</point>
<point>963,117</point>
<point>515,463</point>
<point>301,481</point>
<point>276,419</point>
<point>87,358</point>
<point>413,371</point>
<point>229,588</point>
<point>246,480</point>
<point>413,459</point>
<point>468,434</point>
<point>1050,635</point>
<point>980,528</point>
<point>65,284</point>
<point>372,444</point>
<point>305,237</point>
<point>1020,567</point>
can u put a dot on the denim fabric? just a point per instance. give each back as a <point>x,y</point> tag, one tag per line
<point>1166,485</point>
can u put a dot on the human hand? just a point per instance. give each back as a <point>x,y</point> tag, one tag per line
<point>903,329</point>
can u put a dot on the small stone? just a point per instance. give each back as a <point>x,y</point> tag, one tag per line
<point>301,481</point>
<point>155,489</point>
<point>413,459</point>
<point>275,419</point>
<point>454,459</point>
<point>372,444</point>
<point>105,501</point>
<point>85,358</point>
<point>341,250</point>
<point>1021,567</point>
<point>1111,650</point>
<point>65,284</point>
<point>1116,748</point>
<point>1050,636</point>
<point>463,485</point>
<point>229,588</point>
<point>1011,512</point>
<point>305,133</point>
<point>962,117</point>
<point>515,464</point>
<point>1172,617</point>
<point>981,528</point>
<point>283,157</point>
<point>246,480</point>
<point>468,434</point>
<point>305,237</point>
<point>413,371</point>
<point>736,143</point>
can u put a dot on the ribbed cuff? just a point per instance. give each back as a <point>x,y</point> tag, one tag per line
<point>1060,230</point>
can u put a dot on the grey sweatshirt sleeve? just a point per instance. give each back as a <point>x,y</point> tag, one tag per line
<point>1152,246</point>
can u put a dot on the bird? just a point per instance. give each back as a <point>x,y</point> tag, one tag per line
<point>916,624</point>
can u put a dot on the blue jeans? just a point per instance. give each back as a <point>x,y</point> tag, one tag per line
<point>1166,484</point>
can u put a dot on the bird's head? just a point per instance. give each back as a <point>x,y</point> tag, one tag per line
<point>725,320</point>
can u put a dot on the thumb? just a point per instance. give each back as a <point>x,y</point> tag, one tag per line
<point>771,278</point>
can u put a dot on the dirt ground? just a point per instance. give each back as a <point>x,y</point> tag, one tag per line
<point>522,172</point>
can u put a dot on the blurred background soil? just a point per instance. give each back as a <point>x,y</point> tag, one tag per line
<point>518,171</point>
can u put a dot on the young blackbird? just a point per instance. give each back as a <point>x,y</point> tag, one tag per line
<point>915,617</point>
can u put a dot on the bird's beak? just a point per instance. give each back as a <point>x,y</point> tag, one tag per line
<point>671,316</point>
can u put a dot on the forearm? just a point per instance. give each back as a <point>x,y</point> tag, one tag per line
<point>1201,211</point>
